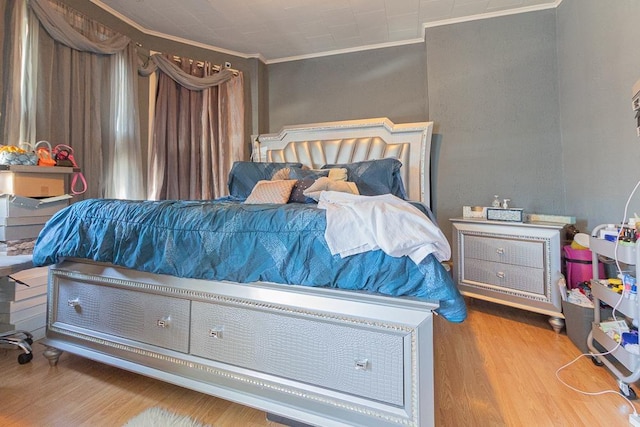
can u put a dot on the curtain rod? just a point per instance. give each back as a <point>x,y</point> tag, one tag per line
<point>200,64</point>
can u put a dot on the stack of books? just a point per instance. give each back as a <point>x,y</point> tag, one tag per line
<point>22,219</point>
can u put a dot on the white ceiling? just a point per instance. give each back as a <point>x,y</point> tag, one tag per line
<point>283,30</point>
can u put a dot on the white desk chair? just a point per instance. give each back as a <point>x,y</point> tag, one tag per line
<point>19,339</point>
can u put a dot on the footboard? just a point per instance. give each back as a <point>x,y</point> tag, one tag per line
<point>319,356</point>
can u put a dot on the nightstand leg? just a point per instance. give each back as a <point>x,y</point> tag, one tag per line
<point>556,323</point>
<point>52,354</point>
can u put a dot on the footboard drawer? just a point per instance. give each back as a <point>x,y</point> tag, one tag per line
<point>362,361</point>
<point>153,319</point>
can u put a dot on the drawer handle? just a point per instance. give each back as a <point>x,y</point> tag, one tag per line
<point>165,322</point>
<point>500,251</point>
<point>362,364</point>
<point>216,332</point>
<point>73,302</point>
<point>500,274</point>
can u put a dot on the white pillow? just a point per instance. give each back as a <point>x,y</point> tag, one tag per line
<point>271,191</point>
<point>327,184</point>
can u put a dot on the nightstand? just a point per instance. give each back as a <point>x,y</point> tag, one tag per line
<point>510,263</point>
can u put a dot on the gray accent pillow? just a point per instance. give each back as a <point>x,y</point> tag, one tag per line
<point>375,177</point>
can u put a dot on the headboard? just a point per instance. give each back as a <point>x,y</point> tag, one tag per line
<point>349,141</point>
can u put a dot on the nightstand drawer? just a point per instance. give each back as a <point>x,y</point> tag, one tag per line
<point>504,250</point>
<point>504,276</point>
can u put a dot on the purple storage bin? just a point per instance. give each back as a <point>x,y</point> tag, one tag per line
<point>579,266</point>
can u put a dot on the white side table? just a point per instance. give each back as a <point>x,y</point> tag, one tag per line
<point>510,263</point>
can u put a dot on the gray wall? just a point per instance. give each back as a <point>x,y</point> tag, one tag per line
<point>598,63</point>
<point>376,83</point>
<point>490,86</point>
<point>493,99</point>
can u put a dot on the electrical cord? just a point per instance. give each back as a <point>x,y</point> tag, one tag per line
<point>597,393</point>
<point>615,307</point>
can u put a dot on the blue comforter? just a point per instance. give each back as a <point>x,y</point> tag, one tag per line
<point>226,240</point>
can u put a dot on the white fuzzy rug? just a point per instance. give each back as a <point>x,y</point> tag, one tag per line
<point>158,417</point>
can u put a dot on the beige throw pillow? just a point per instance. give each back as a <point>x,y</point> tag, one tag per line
<point>338,174</point>
<point>271,191</point>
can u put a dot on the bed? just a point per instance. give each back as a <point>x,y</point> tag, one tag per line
<point>244,299</point>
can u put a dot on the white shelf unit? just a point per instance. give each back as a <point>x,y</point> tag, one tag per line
<point>628,256</point>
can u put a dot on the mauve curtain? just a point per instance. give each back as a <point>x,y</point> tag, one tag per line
<point>198,130</point>
<point>87,98</point>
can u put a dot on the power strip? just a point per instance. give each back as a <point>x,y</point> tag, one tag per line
<point>634,420</point>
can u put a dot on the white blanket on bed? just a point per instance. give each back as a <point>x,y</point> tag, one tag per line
<point>364,223</point>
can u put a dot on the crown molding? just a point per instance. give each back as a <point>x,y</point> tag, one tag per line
<point>490,15</point>
<point>342,51</point>
<point>149,32</point>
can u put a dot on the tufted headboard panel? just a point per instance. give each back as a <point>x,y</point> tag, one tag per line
<point>350,141</point>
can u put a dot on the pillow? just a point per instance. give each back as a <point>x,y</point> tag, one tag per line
<point>338,174</point>
<point>327,184</point>
<point>299,173</point>
<point>281,174</point>
<point>375,177</point>
<point>267,191</point>
<point>245,175</point>
<point>304,177</point>
<point>297,194</point>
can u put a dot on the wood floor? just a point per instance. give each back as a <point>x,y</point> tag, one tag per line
<point>498,368</point>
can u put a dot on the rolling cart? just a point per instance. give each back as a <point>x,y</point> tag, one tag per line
<point>627,368</point>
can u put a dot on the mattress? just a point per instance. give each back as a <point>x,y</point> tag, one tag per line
<point>231,241</point>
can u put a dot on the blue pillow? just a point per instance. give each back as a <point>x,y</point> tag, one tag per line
<point>375,177</point>
<point>299,173</point>
<point>245,175</point>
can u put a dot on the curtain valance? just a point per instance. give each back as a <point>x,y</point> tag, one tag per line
<point>186,80</point>
<point>62,32</point>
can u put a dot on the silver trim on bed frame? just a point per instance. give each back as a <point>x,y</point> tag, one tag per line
<point>228,371</point>
<point>409,318</point>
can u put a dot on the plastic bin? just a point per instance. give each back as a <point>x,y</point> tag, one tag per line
<point>578,321</point>
<point>579,266</point>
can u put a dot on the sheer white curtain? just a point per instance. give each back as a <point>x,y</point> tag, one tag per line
<point>82,91</point>
<point>123,176</point>
<point>13,41</point>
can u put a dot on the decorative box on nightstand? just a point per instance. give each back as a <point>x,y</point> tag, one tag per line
<point>508,214</point>
<point>515,264</point>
